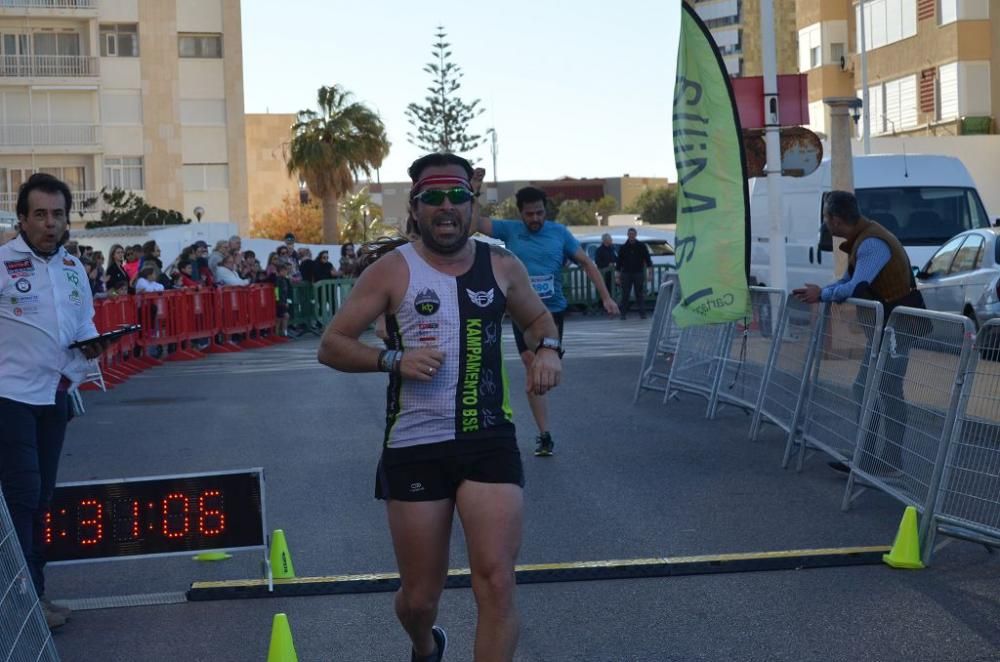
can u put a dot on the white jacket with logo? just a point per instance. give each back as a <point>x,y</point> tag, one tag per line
<point>45,305</point>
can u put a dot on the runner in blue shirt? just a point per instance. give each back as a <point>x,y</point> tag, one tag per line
<point>543,246</point>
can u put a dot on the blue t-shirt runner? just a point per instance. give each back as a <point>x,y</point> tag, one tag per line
<point>544,247</point>
<point>543,253</point>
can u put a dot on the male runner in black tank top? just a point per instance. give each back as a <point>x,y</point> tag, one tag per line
<point>449,432</point>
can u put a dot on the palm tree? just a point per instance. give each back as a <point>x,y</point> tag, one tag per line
<point>332,147</point>
<point>363,219</point>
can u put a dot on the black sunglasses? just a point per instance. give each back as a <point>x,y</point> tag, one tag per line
<point>435,197</point>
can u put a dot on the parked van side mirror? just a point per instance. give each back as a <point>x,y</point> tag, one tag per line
<point>996,222</point>
<point>825,238</point>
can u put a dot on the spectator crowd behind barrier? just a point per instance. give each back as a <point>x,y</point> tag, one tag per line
<point>913,409</point>
<point>183,325</point>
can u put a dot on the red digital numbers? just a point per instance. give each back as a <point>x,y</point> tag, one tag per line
<point>211,517</point>
<point>90,524</point>
<point>171,516</point>
<point>130,519</point>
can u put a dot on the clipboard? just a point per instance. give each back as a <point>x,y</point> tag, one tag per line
<point>110,335</point>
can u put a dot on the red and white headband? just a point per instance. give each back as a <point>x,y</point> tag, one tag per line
<point>441,181</point>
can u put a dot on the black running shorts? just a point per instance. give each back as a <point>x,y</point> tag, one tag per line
<point>431,472</point>
<point>519,337</point>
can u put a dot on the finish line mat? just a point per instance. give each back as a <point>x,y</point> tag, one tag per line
<point>677,566</point>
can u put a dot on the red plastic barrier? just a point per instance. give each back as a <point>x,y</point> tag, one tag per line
<point>226,319</point>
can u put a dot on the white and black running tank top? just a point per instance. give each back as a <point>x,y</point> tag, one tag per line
<point>460,316</point>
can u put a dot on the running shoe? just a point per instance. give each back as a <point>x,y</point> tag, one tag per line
<point>441,639</point>
<point>544,445</point>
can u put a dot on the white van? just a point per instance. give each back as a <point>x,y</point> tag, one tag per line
<point>924,200</point>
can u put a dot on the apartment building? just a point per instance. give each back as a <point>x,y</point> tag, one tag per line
<point>143,95</point>
<point>932,64</point>
<point>735,26</point>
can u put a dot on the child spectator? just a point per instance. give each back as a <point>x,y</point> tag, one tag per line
<point>282,297</point>
<point>131,266</point>
<point>146,282</point>
<point>185,274</point>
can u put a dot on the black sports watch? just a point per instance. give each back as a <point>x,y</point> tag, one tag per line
<point>551,343</point>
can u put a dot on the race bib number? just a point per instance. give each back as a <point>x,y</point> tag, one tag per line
<point>545,286</point>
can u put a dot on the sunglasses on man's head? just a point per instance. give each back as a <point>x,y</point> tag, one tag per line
<point>435,197</point>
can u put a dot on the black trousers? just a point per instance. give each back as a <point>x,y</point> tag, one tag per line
<point>31,440</point>
<point>633,280</point>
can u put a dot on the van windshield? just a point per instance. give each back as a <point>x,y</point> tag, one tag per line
<point>923,215</point>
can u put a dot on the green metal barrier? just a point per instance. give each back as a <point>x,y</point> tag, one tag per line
<point>302,311</point>
<point>581,293</point>
<point>329,296</point>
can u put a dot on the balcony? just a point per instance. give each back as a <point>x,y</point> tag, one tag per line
<point>48,66</point>
<point>49,135</point>
<point>8,201</point>
<point>48,8</point>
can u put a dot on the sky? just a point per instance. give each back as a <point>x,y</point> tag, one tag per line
<point>579,88</point>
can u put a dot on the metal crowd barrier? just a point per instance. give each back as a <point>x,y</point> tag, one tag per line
<point>579,291</point>
<point>748,351</point>
<point>785,377</point>
<point>967,503</point>
<point>838,377</point>
<point>24,634</point>
<point>910,407</point>
<point>660,343</point>
<point>696,365</point>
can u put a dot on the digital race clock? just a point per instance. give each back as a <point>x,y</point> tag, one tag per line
<point>134,517</point>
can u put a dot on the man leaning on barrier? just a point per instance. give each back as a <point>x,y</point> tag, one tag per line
<point>878,269</point>
<point>45,306</point>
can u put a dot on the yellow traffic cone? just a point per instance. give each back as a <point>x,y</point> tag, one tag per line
<point>281,560</point>
<point>905,552</point>
<point>281,649</point>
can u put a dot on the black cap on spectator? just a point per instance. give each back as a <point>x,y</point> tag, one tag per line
<point>200,244</point>
<point>289,237</point>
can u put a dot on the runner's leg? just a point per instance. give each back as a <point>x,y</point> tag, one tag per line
<point>538,404</point>
<point>492,516</point>
<point>421,531</point>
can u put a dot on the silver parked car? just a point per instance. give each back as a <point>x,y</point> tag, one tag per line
<point>963,276</point>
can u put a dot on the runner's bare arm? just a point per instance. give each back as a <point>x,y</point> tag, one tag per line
<point>480,223</point>
<point>531,315</point>
<point>340,348</point>
<point>594,274</point>
<point>371,297</point>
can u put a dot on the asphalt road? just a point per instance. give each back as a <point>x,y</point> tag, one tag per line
<point>626,482</point>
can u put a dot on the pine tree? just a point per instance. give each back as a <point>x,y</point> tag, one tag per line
<point>442,123</point>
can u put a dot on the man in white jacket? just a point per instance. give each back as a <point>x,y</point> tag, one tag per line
<point>45,305</point>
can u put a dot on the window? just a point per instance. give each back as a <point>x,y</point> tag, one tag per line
<point>56,43</point>
<point>204,112</point>
<point>892,105</point>
<point>121,108</point>
<point>838,53</point>
<point>941,261</point>
<point>947,89</point>
<point>120,40</point>
<point>200,45</point>
<point>206,177</point>
<point>923,215</point>
<point>124,172</point>
<point>887,21</point>
<point>967,257</point>
<point>814,57</point>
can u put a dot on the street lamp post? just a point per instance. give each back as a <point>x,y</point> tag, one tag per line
<point>364,222</point>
